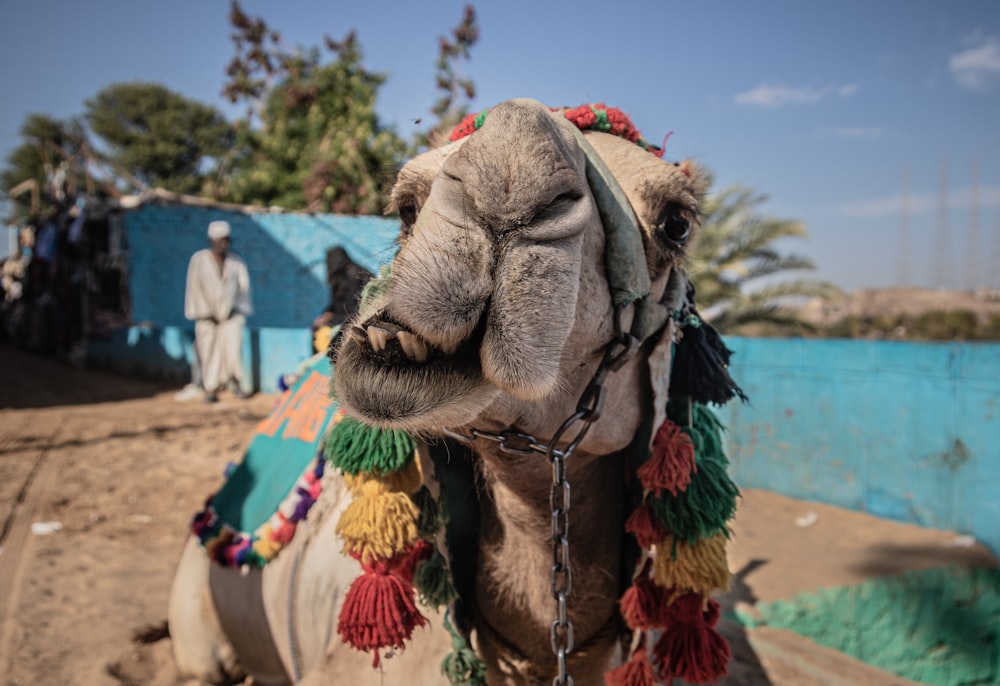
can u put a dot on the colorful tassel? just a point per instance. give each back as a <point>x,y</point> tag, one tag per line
<point>643,604</point>
<point>354,447</point>
<point>433,582</point>
<point>379,609</point>
<point>647,529</point>
<point>429,523</point>
<point>407,480</point>
<point>690,648</point>
<point>701,361</point>
<point>636,672</point>
<point>700,567</point>
<point>672,462</point>
<point>462,667</point>
<point>703,509</point>
<point>378,526</point>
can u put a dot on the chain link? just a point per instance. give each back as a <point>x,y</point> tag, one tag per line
<point>588,411</point>
<point>562,574</point>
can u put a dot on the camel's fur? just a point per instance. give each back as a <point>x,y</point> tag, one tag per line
<point>501,273</point>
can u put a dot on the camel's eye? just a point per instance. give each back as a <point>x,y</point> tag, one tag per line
<point>674,224</point>
<point>408,213</point>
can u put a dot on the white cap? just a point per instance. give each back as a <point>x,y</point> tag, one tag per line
<point>217,230</point>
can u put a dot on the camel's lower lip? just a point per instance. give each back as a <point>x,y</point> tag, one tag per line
<point>388,388</point>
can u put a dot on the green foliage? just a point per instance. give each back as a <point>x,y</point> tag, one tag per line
<point>319,145</point>
<point>934,325</point>
<point>456,90</point>
<point>156,136</point>
<point>734,252</point>
<point>48,145</point>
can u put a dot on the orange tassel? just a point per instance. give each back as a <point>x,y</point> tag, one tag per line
<point>670,466</point>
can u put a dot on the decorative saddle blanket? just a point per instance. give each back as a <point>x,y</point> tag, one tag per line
<point>255,513</point>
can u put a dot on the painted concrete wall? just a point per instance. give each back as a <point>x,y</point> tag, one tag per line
<point>286,257</point>
<point>908,431</point>
<point>285,254</point>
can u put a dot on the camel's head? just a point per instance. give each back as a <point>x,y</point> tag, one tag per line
<point>497,309</point>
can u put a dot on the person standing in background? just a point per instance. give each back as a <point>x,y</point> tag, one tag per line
<point>217,299</point>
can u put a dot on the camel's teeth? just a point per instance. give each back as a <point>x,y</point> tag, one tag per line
<point>378,337</point>
<point>413,345</point>
<point>358,334</point>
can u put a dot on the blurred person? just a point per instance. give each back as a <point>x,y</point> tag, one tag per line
<point>217,299</point>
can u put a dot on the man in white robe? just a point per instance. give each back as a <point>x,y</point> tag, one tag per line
<point>217,299</point>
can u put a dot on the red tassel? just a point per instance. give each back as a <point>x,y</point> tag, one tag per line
<point>405,565</point>
<point>672,463</point>
<point>636,672</point>
<point>285,531</point>
<point>379,609</point>
<point>643,604</point>
<point>646,527</point>
<point>690,648</point>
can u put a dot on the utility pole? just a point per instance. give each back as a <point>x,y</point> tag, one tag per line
<point>903,265</point>
<point>973,258</point>
<point>942,259</point>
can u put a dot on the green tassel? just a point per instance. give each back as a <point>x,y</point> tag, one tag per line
<point>703,509</point>
<point>706,433</point>
<point>433,581</point>
<point>354,447</point>
<point>709,502</point>
<point>429,522</point>
<point>462,665</point>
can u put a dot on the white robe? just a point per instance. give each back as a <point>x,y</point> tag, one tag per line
<point>218,301</point>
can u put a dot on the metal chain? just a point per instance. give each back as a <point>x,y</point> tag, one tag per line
<point>510,441</point>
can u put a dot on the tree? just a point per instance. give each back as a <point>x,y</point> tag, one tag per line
<point>157,136</point>
<point>736,267</point>
<point>319,144</point>
<point>456,90</point>
<point>48,165</point>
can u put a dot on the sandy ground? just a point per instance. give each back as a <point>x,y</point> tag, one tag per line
<point>100,475</point>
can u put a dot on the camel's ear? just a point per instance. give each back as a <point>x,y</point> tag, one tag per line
<point>697,181</point>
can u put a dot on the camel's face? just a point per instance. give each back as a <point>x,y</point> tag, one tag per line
<point>498,308</point>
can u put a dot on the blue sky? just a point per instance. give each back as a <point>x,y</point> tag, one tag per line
<point>818,105</point>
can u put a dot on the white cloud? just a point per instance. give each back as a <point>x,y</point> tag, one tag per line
<point>977,68</point>
<point>776,95</point>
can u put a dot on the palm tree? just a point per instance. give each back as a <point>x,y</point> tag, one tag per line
<point>736,267</point>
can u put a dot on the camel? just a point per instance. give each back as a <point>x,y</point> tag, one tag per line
<point>503,314</point>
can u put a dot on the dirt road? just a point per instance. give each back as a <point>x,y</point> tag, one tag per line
<point>100,475</point>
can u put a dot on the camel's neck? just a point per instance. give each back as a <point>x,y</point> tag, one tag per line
<point>514,590</point>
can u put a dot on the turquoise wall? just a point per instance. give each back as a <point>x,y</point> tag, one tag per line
<point>907,431</point>
<point>285,254</point>
<point>286,257</point>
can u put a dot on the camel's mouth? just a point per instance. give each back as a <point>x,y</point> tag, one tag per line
<point>386,342</point>
<point>391,367</point>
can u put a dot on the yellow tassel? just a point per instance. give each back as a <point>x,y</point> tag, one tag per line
<point>700,567</point>
<point>265,545</point>
<point>408,480</point>
<point>378,525</point>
